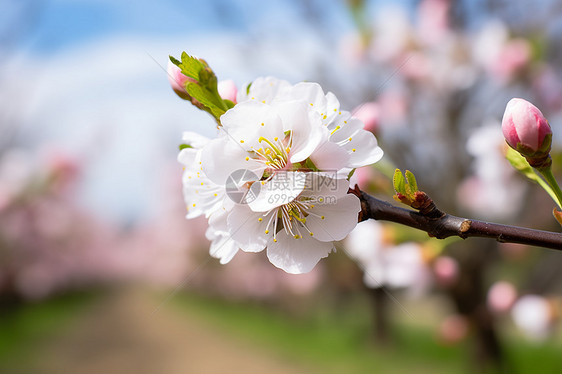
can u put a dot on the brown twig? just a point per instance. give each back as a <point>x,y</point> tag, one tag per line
<point>442,225</point>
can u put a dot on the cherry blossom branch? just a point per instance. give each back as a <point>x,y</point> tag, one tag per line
<point>442,225</point>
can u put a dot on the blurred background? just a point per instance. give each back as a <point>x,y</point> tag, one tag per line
<point>100,271</point>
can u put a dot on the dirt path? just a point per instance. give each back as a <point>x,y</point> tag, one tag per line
<point>121,334</point>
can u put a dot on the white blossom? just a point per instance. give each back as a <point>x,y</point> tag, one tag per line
<point>295,149</point>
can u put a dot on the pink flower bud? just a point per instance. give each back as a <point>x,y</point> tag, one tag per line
<point>369,114</point>
<point>227,89</point>
<point>446,270</point>
<point>178,80</point>
<point>526,130</point>
<point>501,297</point>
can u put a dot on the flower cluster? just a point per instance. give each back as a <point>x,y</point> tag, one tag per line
<point>276,176</point>
<point>386,264</point>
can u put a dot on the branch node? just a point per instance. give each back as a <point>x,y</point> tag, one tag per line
<point>465,226</point>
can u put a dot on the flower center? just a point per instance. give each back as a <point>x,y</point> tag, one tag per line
<point>293,216</point>
<point>274,154</point>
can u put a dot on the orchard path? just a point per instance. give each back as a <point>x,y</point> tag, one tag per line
<point>122,333</point>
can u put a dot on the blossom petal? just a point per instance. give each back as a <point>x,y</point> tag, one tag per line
<point>281,189</point>
<point>363,149</point>
<point>201,195</point>
<point>248,122</point>
<point>194,139</point>
<point>332,222</point>
<point>297,256</point>
<point>321,184</point>
<point>332,108</point>
<point>221,157</point>
<point>307,129</point>
<point>330,156</point>
<point>311,93</point>
<point>343,128</point>
<point>264,89</point>
<point>248,228</point>
<point>222,246</point>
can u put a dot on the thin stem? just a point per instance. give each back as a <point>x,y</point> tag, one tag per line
<point>549,190</point>
<point>442,225</point>
<point>549,177</point>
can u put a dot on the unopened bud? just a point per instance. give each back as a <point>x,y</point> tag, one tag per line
<point>178,80</point>
<point>527,131</point>
<point>227,90</point>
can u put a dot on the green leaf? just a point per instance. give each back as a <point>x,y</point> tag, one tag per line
<point>398,182</point>
<point>229,104</point>
<point>184,146</point>
<point>351,173</point>
<point>191,66</point>
<point>174,60</point>
<point>209,100</point>
<point>411,181</point>
<point>521,165</point>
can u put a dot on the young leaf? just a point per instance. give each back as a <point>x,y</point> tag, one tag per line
<point>229,104</point>
<point>175,61</point>
<point>207,99</point>
<point>411,179</point>
<point>521,165</point>
<point>191,66</point>
<point>398,182</point>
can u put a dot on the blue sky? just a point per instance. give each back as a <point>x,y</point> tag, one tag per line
<point>88,78</point>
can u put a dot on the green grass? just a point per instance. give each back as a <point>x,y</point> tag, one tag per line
<point>333,343</point>
<point>336,343</point>
<point>24,326</point>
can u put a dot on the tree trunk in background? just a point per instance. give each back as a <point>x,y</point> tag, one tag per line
<point>469,297</point>
<point>381,322</point>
